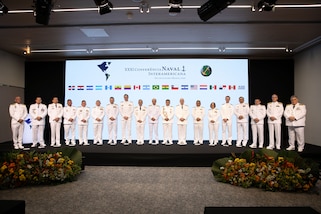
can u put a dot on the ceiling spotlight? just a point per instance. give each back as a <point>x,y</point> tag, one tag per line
<point>42,11</point>
<point>104,6</point>
<point>144,7</point>
<point>266,5</point>
<point>27,51</point>
<point>212,7</point>
<point>175,6</point>
<point>3,8</point>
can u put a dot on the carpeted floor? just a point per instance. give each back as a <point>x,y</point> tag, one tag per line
<point>111,189</point>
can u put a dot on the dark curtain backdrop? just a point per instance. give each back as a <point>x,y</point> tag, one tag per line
<point>46,79</point>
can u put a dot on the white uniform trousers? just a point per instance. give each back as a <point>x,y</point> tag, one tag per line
<point>296,133</point>
<point>98,130</point>
<point>140,127</point>
<point>181,133</point>
<point>17,134</point>
<point>257,131</point>
<point>275,128</point>
<point>167,132</point>
<point>126,126</point>
<point>70,131</point>
<point>112,131</point>
<point>242,134</point>
<point>198,133</point>
<point>153,127</point>
<point>83,132</point>
<point>213,132</point>
<point>55,133</point>
<point>37,134</point>
<point>228,126</point>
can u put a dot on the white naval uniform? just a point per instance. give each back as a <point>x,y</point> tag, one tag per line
<point>167,112</point>
<point>227,113</point>
<point>213,115</point>
<point>274,109</point>
<point>83,113</point>
<point>98,113</point>
<point>259,112</point>
<point>70,124</point>
<point>17,112</point>
<point>140,113</point>
<point>126,109</point>
<point>198,112</point>
<point>153,111</point>
<point>38,126</point>
<point>55,111</point>
<point>296,127</point>
<point>182,112</point>
<point>112,111</point>
<point>242,109</point>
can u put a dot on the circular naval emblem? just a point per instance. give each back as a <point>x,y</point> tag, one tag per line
<point>206,70</point>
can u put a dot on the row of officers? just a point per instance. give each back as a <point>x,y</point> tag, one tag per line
<point>294,114</point>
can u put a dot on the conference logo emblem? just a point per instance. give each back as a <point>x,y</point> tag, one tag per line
<point>104,67</point>
<point>206,71</point>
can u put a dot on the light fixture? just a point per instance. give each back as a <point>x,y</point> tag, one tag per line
<point>212,7</point>
<point>175,6</point>
<point>104,6</point>
<point>144,7</point>
<point>266,5</point>
<point>42,11</point>
<point>3,8</point>
<point>27,51</point>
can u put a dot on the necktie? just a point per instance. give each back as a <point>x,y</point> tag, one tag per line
<point>293,106</point>
<point>56,105</point>
<point>182,107</point>
<point>38,105</point>
<point>140,108</point>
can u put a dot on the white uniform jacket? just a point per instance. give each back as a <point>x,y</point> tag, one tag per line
<point>55,112</point>
<point>299,112</point>
<point>257,111</point>
<point>276,110</point>
<point>153,111</point>
<point>69,113</point>
<point>167,112</point>
<point>17,112</point>
<point>140,113</point>
<point>198,112</point>
<point>38,110</point>
<point>181,112</point>
<point>242,109</point>
<point>126,109</point>
<point>83,113</point>
<point>98,112</point>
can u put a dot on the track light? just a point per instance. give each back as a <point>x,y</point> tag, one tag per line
<point>144,7</point>
<point>3,8</point>
<point>175,6</point>
<point>212,7</point>
<point>266,5</point>
<point>42,11</point>
<point>104,6</point>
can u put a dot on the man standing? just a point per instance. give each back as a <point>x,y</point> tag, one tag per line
<point>126,111</point>
<point>182,113</point>
<point>140,113</point>
<point>226,114</point>
<point>198,113</point>
<point>294,114</point>
<point>112,114</point>
<point>18,113</point>
<point>274,113</point>
<point>55,112</point>
<point>153,113</point>
<point>213,123</point>
<point>257,114</point>
<point>98,114</point>
<point>69,123</point>
<point>241,111</point>
<point>167,113</point>
<point>83,114</point>
<point>38,113</point>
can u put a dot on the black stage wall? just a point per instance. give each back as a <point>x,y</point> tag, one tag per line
<point>46,79</point>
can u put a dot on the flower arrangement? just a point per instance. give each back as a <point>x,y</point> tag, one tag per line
<point>31,168</point>
<point>269,170</point>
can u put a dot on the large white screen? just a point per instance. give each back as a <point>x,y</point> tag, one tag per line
<point>157,78</point>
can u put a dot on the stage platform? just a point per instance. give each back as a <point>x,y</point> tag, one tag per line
<point>158,155</point>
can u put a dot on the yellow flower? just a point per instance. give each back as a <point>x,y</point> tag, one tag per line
<point>4,167</point>
<point>22,177</point>
<point>21,171</point>
<point>60,160</point>
<point>70,162</point>
<point>280,159</point>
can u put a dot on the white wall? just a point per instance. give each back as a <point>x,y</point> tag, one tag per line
<point>12,83</point>
<point>307,86</point>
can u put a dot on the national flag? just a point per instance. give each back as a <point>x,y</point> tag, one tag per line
<point>146,87</point>
<point>71,87</point>
<point>222,87</point>
<point>89,87</point>
<point>127,87</point>
<point>80,87</point>
<point>184,87</point>
<point>117,87</point>
<point>108,87</point>
<point>232,87</point>
<point>213,87</point>
<point>136,87</point>
<point>99,87</point>
<point>203,87</point>
<point>155,87</point>
<point>174,87</point>
<point>194,87</point>
<point>165,87</point>
<point>241,87</point>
